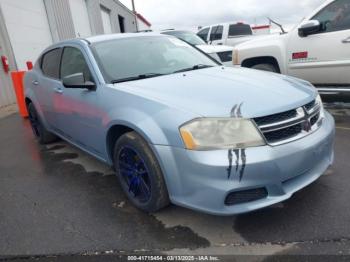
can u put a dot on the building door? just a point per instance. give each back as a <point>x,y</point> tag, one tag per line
<point>28,29</point>
<point>121,24</point>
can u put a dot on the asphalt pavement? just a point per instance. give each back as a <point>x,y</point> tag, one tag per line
<point>58,201</point>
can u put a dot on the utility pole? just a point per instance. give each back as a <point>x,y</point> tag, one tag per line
<point>135,13</point>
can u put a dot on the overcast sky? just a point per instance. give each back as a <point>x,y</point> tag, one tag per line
<point>189,14</point>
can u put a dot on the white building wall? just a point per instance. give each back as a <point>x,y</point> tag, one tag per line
<point>142,26</point>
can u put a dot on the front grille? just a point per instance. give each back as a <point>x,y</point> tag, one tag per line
<point>245,196</point>
<point>266,120</point>
<point>314,119</point>
<point>310,105</point>
<point>289,125</point>
<point>283,134</point>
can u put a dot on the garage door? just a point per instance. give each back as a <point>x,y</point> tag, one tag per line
<point>28,28</point>
<point>80,18</point>
<point>106,20</point>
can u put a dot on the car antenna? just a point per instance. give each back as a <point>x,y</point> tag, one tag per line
<point>279,25</point>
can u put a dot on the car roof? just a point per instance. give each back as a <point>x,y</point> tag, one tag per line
<point>99,38</point>
<point>102,38</point>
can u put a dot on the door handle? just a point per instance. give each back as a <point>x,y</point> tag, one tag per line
<point>346,41</point>
<point>35,83</point>
<point>58,90</point>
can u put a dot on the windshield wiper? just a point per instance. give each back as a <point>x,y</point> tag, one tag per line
<point>134,78</point>
<point>196,67</point>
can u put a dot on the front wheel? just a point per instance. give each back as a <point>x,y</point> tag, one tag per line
<point>139,173</point>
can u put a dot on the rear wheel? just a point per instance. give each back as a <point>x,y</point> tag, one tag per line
<point>265,67</point>
<point>40,132</point>
<point>139,173</point>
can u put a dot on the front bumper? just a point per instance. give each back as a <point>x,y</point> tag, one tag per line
<point>201,180</point>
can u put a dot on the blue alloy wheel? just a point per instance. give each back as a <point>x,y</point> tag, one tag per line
<point>135,174</point>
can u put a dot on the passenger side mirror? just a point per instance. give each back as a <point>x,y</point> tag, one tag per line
<point>309,28</point>
<point>77,81</point>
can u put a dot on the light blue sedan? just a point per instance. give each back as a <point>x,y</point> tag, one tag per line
<point>179,127</point>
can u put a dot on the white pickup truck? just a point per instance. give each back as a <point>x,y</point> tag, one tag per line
<point>226,34</point>
<point>317,50</point>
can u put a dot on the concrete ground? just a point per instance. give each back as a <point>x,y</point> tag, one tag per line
<point>57,200</point>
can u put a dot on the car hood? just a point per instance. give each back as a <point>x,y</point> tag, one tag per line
<point>209,49</point>
<point>213,92</point>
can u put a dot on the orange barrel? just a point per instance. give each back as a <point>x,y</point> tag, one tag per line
<point>17,79</point>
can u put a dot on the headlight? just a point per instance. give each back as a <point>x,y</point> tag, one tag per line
<point>320,104</point>
<point>235,59</point>
<point>220,133</point>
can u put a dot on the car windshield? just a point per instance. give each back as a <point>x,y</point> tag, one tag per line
<point>189,37</point>
<point>132,58</point>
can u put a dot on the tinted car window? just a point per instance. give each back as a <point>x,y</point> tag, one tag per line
<point>335,17</point>
<point>204,33</point>
<point>239,29</point>
<point>73,61</point>
<point>50,63</point>
<point>134,56</point>
<point>216,33</point>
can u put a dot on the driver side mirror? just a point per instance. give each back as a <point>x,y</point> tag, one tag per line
<point>77,81</point>
<point>309,28</point>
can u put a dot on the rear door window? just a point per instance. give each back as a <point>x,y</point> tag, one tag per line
<point>50,63</point>
<point>239,29</point>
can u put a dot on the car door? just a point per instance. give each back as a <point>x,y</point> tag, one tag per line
<point>216,35</point>
<point>45,82</point>
<point>323,58</point>
<point>79,113</point>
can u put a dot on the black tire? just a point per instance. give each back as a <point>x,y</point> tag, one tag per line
<point>43,136</point>
<point>266,67</point>
<point>159,197</point>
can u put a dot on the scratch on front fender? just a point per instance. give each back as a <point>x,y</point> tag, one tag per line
<point>236,112</point>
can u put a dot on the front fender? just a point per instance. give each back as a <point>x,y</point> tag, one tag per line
<point>274,47</point>
<point>158,125</point>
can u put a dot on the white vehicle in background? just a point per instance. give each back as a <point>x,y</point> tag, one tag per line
<point>226,34</point>
<point>317,50</point>
<point>222,54</point>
